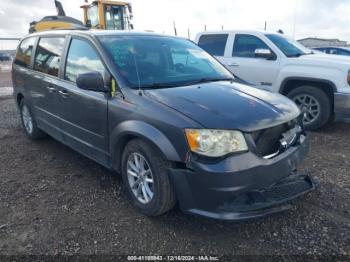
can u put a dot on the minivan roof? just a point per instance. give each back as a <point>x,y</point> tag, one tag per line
<point>238,32</point>
<point>94,33</point>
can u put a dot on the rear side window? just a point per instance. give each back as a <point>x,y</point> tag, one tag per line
<point>213,44</point>
<point>48,55</point>
<point>24,52</point>
<point>82,58</point>
<point>245,46</point>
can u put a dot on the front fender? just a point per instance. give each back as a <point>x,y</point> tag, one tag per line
<point>331,76</point>
<point>135,128</point>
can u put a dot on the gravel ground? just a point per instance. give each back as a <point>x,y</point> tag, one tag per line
<point>55,201</point>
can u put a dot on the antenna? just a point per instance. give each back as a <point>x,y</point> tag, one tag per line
<point>137,73</point>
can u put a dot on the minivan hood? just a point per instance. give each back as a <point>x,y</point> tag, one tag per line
<point>225,105</point>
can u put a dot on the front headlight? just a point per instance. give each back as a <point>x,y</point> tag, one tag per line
<point>215,143</point>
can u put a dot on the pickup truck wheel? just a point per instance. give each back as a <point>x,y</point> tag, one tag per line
<point>144,172</point>
<point>29,123</point>
<point>314,104</point>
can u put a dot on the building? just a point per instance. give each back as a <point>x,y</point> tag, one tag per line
<point>321,42</point>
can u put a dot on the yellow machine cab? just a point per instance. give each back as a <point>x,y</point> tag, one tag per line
<point>100,14</point>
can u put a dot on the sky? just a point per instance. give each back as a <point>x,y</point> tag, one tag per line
<point>297,18</point>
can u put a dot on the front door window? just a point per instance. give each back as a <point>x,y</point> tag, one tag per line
<point>82,58</point>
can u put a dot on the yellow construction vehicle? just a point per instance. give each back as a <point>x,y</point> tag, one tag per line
<point>100,14</point>
<point>109,15</point>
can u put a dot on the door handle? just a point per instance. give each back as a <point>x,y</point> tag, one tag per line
<point>233,64</point>
<point>51,89</point>
<point>63,93</point>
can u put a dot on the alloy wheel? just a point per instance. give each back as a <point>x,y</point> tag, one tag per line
<point>140,178</point>
<point>309,106</point>
<point>27,119</point>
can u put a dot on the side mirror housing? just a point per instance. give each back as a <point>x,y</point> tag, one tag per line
<point>92,81</point>
<point>264,53</point>
<point>88,23</point>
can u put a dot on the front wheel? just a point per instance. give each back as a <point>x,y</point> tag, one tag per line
<point>314,105</point>
<point>145,176</point>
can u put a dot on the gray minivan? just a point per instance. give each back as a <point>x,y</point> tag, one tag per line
<point>167,116</point>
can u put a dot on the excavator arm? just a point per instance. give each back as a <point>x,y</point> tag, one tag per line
<point>59,7</point>
<point>101,14</point>
<point>59,21</point>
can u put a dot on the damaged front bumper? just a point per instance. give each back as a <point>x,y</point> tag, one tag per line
<point>242,186</point>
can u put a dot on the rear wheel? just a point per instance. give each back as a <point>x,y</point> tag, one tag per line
<point>145,176</point>
<point>314,104</point>
<point>28,122</point>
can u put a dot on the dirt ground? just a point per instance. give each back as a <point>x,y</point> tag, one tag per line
<point>55,201</point>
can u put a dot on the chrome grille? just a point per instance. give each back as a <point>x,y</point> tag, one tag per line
<point>267,141</point>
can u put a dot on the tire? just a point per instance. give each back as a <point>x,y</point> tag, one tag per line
<point>163,198</point>
<point>322,102</point>
<point>33,132</point>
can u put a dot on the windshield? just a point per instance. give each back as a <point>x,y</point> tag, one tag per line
<point>289,47</point>
<point>156,61</point>
<point>114,17</point>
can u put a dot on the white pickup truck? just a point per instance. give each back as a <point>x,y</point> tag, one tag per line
<point>318,83</point>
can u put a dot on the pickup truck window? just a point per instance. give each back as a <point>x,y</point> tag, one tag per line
<point>24,52</point>
<point>48,55</point>
<point>338,51</point>
<point>82,58</point>
<point>245,45</point>
<point>213,44</point>
<point>289,47</point>
<point>158,62</point>
<point>324,50</point>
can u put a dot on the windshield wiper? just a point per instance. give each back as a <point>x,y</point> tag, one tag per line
<point>208,79</point>
<point>197,81</point>
<point>158,86</point>
<point>296,55</point>
<point>301,54</point>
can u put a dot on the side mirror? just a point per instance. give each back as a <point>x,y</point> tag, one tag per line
<point>264,53</point>
<point>92,81</point>
<point>88,23</point>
